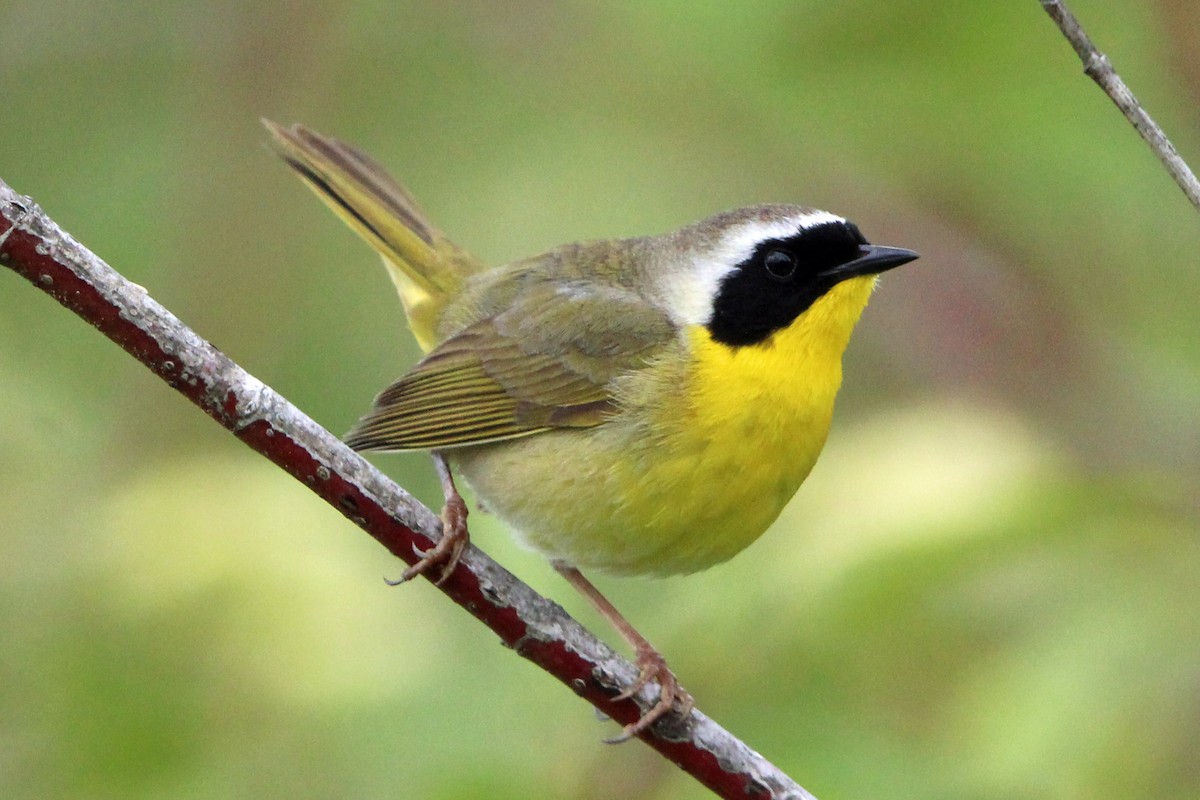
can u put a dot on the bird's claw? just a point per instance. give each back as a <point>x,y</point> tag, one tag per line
<point>449,549</point>
<point>652,666</point>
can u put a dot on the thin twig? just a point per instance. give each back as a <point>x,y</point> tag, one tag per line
<point>35,247</point>
<point>1097,67</point>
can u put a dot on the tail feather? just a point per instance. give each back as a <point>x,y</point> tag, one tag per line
<point>426,267</point>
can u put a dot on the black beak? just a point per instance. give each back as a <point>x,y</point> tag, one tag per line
<point>872,260</point>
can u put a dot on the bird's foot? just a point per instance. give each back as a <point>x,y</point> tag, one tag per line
<point>653,667</point>
<point>455,538</point>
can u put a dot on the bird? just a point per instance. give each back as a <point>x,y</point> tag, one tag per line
<point>635,406</point>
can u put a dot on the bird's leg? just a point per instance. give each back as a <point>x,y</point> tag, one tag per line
<point>454,541</point>
<point>650,663</point>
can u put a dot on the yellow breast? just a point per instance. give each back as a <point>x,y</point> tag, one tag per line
<point>697,473</point>
<point>754,421</point>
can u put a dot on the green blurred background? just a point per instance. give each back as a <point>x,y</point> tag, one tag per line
<point>989,586</point>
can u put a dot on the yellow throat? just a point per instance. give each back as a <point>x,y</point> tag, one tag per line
<point>734,439</point>
<point>759,416</point>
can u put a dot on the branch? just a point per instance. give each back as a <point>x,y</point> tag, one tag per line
<point>1097,67</point>
<point>32,245</point>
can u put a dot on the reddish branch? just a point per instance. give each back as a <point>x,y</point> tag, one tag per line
<point>35,247</point>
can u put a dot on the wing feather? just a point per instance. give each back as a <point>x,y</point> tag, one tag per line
<point>546,362</point>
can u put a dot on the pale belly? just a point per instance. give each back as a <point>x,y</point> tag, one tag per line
<point>598,502</point>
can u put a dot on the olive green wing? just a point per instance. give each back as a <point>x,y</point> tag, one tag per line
<point>545,362</point>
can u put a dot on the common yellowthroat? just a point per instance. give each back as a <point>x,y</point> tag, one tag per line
<point>638,406</point>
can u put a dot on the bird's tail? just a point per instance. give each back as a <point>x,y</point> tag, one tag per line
<point>427,268</point>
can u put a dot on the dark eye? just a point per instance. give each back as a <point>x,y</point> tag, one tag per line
<point>780,264</point>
